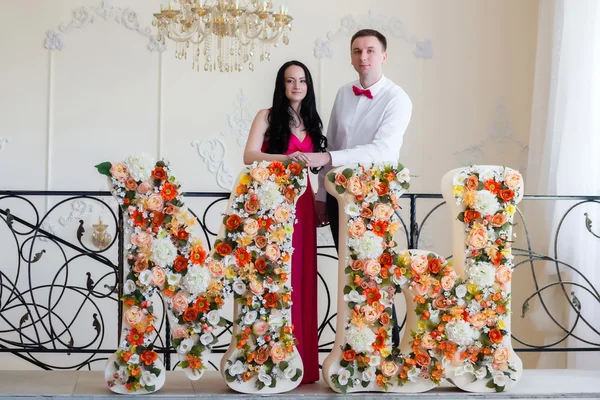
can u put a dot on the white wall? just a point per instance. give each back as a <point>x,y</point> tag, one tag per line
<point>468,66</point>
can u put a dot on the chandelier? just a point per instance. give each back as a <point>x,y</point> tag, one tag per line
<point>229,32</point>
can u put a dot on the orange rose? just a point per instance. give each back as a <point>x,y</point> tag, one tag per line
<point>295,168</point>
<point>349,355</point>
<point>159,173</point>
<point>240,190</point>
<point>261,265</point>
<point>180,263</point>
<point>472,182</point>
<point>340,180</point>
<point>261,241</point>
<point>290,194</point>
<point>271,300</point>
<point>190,314</point>
<point>357,265</point>
<point>386,259</point>
<point>506,195</point>
<point>262,356</point>
<point>384,318</point>
<point>157,218</point>
<point>223,249</point>
<point>495,335</point>
<point>471,215</point>
<point>498,220</point>
<point>366,212</point>
<point>130,184</point>
<point>251,206</point>
<point>233,222</point>
<point>182,234</point>
<point>434,265</point>
<point>422,359</point>
<point>148,357</point>
<point>381,189</point>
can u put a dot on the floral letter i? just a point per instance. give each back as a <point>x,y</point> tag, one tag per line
<point>457,313</point>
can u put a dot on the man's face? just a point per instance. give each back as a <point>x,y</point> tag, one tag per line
<point>368,56</point>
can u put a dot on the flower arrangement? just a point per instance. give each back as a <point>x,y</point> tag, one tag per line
<point>461,323</point>
<point>164,257</point>
<point>256,251</point>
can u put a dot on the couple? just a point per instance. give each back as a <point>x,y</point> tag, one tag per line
<point>367,123</point>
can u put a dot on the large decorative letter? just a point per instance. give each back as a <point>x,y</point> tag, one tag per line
<point>457,315</point>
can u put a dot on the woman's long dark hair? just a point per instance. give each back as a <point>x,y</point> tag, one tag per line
<point>281,115</point>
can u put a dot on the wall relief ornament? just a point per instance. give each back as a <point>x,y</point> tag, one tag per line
<point>251,260</point>
<point>3,143</point>
<point>458,314</point>
<point>240,119</point>
<point>213,153</point>
<point>387,25</point>
<point>85,16</point>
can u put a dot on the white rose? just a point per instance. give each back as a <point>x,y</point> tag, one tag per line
<point>239,287</point>
<point>369,375</point>
<point>134,359</point>
<point>343,376</point>
<point>213,317</point>
<point>375,361</point>
<point>264,377</point>
<point>237,368</point>
<point>481,373</point>
<point>289,372</point>
<point>197,279</point>
<point>404,175</point>
<point>250,317</point>
<point>352,210</point>
<point>399,280</point>
<point>413,374</point>
<point>354,297</point>
<point>434,316</point>
<point>163,251</point>
<point>486,174</point>
<point>276,319</point>
<point>173,278</point>
<point>140,166</point>
<point>148,379</point>
<point>129,287</point>
<point>145,277</point>
<point>185,346</point>
<point>206,339</point>
<point>499,378</point>
<point>459,179</point>
<point>461,291</point>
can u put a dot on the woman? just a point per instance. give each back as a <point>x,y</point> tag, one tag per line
<point>290,128</point>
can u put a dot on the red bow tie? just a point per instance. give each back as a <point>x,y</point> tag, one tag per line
<point>358,92</point>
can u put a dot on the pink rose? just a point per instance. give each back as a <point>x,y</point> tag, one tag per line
<point>355,186</point>
<point>272,252</point>
<point>158,276</point>
<point>141,239</point>
<point>277,353</point>
<point>477,237</point>
<point>478,320</point>
<point>216,268</point>
<point>428,342</point>
<point>144,187</point>
<point>503,274</point>
<point>357,228</point>
<point>448,282</point>
<point>179,332</point>
<point>133,315</point>
<point>180,302</point>
<point>155,202</point>
<point>389,368</point>
<point>260,327</point>
<point>419,264</point>
<point>282,214</point>
<point>370,314</point>
<point>260,174</point>
<point>383,212</point>
<point>372,268</point>
<point>513,180</point>
<point>257,287</point>
<point>119,172</point>
<point>420,288</point>
<point>250,226</point>
<point>501,355</point>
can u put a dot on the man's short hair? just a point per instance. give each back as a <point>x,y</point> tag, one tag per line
<point>370,32</point>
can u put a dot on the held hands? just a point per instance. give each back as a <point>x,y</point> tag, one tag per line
<point>312,160</point>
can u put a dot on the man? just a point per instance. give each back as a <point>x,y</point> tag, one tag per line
<point>367,124</point>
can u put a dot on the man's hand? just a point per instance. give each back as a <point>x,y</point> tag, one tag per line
<point>321,211</point>
<point>318,159</point>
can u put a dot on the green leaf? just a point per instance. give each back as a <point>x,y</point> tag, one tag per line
<point>150,388</point>
<point>104,168</point>
<point>461,217</point>
<point>331,177</point>
<point>347,173</point>
<point>283,365</point>
<point>223,322</point>
<point>228,377</point>
<point>490,384</point>
<point>298,375</point>
<point>499,388</point>
<point>340,189</point>
<point>117,366</point>
<point>260,385</point>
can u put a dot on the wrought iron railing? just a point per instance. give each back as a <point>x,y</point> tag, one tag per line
<point>48,308</point>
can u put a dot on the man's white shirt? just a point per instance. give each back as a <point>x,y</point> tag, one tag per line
<point>363,130</point>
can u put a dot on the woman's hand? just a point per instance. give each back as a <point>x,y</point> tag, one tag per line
<point>299,156</point>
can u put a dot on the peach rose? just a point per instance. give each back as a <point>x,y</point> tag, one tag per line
<point>119,172</point>
<point>250,226</point>
<point>421,288</point>
<point>419,264</point>
<point>501,355</point>
<point>383,212</point>
<point>372,268</point>
<point>141,239</point>
<point>366,213</point>
<point>357,228</point>
<point>216,268</point>
<point>447,282</point>
<point>180,302</point>
<point>477,237</point>
<point>277,353</point>
<point>262,356</point>
<point>428,342</point>
<point>441,303</point>
<point>155,202</point>
<point>370,314</point>
<point>384,318</point>
<point>513,180</point>
<point>355,186</point>
<point>140,265</point>
<point>282,214</point>
<point>503,274</point>
<point>158,276</point>
<point>260,174</point>
<point>257,287</point>
<point>478,320</point>
<point>130,184</point>
<point>179,332</point>
<point>472,182</point>
<point>272,252</point>
<point>389,368</point>
<point>357,265</point>
<point>251,206</point>
<point>261,241</point>
<point>260,327</point>
<point>340,180</point>
<point>498,220</point>
<point>144,187</point>
<point>134,315</point>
